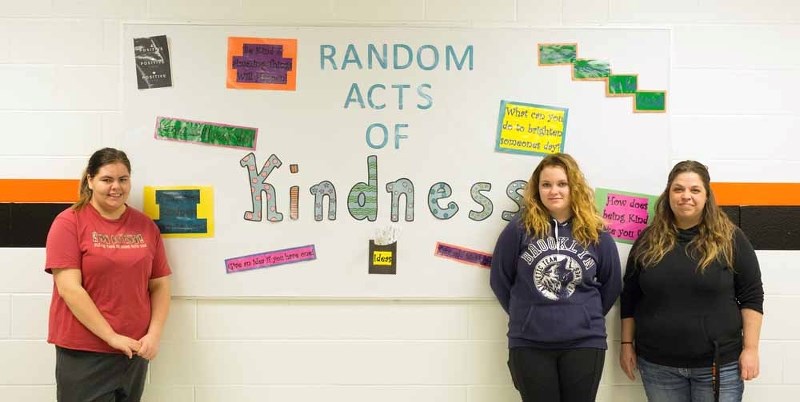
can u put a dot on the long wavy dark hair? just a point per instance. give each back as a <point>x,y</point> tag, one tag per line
<point>98,159</point>
<point>586,220</point>
<point>715,240</point>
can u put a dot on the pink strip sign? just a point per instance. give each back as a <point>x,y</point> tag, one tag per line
<point>626,216</point>
<point>271,259</point>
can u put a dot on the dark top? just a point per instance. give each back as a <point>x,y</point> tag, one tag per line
<point>679,311</point>
<point>556,291</point>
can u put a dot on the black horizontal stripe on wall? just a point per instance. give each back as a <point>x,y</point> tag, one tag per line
<point>5,224</point>
<point>26,225</point>
<point>767,227</point>
<point>771,227</point>
<point>733,213</point>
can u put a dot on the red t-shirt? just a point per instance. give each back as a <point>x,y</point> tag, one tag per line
<point>117,259</point>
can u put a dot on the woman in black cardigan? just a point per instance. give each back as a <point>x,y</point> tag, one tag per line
<point>692,298</point>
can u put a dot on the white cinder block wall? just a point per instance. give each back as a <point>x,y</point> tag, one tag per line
<point>733,102</point>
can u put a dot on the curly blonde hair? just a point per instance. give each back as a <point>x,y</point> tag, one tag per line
<point>715,240</point>
<point>587,221</point>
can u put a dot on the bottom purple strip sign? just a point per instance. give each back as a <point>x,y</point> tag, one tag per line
<point>463,254</point>
<point>271,258</point>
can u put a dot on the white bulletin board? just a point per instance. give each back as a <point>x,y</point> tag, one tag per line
<point>439,98</point>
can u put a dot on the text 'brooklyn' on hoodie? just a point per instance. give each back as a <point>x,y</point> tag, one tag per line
<point>555,291</point>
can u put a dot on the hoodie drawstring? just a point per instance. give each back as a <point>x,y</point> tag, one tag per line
<point>558,245</point>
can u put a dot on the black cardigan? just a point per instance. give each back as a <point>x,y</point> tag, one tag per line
<point>679,311</point>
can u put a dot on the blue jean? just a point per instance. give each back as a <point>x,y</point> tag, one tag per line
<point>673,384</point>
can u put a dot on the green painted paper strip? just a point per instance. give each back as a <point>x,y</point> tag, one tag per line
<point>651,101</point>
<point>622,84</point>
<point>206,133</point>
<point>557,53</point>
<point>588,69</point>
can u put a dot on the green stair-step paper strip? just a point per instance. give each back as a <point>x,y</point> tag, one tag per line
<point>595,70</point>
<point>622,84</point>
<point>585,69</point>
<point>554,54</point>
<point>206,133</point>
<point>650,101</point>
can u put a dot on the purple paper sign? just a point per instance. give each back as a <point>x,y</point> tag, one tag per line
<point>463,254</point>
<point>626,215</point>
<point>271,258</point>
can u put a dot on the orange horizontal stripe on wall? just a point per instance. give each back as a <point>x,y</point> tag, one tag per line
<point>766,194</point>
<point>38,190</point>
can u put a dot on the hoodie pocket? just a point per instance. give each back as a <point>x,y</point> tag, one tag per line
<point>518,316</point>
<point>557,323</point>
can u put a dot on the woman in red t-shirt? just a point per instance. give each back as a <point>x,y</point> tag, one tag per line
<point>111,291</point>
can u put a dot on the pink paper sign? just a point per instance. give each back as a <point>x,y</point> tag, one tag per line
<point>625,215</point>
<point>270,259</point>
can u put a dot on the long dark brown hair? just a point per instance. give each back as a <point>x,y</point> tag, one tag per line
<point>98,159</point>
<point>715,238</point>
<point>587,222</point>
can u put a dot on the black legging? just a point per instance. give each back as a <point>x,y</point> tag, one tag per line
<point>567,375</point>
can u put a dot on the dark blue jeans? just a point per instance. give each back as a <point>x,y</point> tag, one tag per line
<point>674,384</point>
